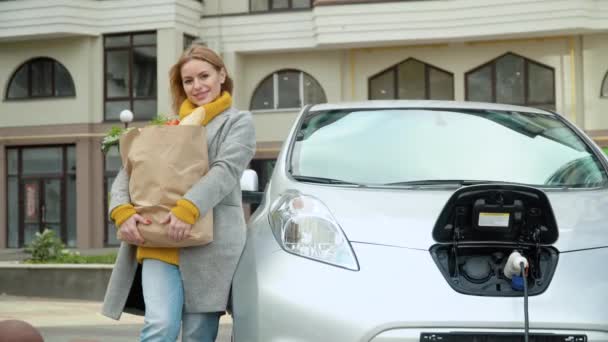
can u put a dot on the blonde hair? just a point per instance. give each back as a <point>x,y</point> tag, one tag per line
<point>194,52</point>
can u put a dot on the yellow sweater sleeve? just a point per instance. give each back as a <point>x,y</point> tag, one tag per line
<point>122,213</point>
<point>185,211</point>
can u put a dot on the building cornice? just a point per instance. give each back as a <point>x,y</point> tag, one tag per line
<point>338,25</point>
<point>30,19</point>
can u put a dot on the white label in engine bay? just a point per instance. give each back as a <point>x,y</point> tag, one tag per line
<point>494,220</point>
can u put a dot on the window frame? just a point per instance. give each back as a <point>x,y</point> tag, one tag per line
<point>526,80</point>
<point>275,91</point>
<point>289,8</point>
<point>129,49</point>
<point>107,174</point>
<point>395,70</point>
<point>604,84</point>
<point>28,64</point>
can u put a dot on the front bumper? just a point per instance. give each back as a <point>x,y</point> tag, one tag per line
<point>399,293</point>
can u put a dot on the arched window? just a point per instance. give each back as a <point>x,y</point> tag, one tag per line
<point>38,78</point>
<point>287,89</point>
<point>512,79</point>
<point>605,86</point>
<point>412,79</point>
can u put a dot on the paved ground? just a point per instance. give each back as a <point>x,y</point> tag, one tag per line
<point>79,321</point>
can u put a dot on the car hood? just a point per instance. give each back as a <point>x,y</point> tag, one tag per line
<point>406,217</point>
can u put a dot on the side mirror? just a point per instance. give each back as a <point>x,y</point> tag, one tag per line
<point>249,180</point>
<point>250,186</point>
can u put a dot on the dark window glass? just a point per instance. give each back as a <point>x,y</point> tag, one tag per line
<point>279,5</point>
<point>605,86</point>
<point>117,73</point>
<point>117,41</point>
<point>540,84</point>
<point>144,72</point>
<point>479,85</point>
<point>263,97</point>
<point>382,87</point>
<point>63,81</point>
<point>130,75</point>
<point>289,89</point>
<point>71,208</point>
<point>52,194</point>
<point>143,109</point>
<point>411,80</point>
<point>113,163</point>
<point>12,162</point>
<point>415,80</point>
<point>512,79</point>
<point>40,77</point>
<point>112,109</point>
<point>13,212</point>
<point>42,160</point>
<point>71,205</point>
<point>313,93</point>
<point>18,88</point>
<point>144,39</point>
<point>71,160</point>
<point>294,88</point>
<point>441,85</point>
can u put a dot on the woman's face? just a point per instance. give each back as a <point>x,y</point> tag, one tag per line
<point>201,81</point>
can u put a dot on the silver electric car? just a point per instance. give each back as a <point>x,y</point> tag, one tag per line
<point>390,221</point>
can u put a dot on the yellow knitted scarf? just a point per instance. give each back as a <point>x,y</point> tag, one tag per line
<point>212,109</point>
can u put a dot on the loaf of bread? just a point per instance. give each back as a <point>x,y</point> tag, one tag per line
<point>194,118</point>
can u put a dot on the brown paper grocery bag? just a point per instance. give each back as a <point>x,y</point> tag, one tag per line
<point>163,162</point>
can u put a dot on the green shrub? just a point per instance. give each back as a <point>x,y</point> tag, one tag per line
<point>46,246</point>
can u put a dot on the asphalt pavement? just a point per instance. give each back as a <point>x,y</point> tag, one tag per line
<point>79,321</point>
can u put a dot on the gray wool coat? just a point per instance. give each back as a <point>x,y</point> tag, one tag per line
<point>206,270</point>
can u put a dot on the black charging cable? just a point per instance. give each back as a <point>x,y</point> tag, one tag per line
<point>526,319</point>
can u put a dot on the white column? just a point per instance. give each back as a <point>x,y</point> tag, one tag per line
<point>234,65</point>
<point>168,49</point>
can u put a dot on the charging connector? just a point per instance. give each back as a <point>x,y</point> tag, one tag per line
<point>516,269</point>
<point>513,265</point>
<point>524,275</point>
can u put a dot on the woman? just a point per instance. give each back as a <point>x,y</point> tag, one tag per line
<point>189,286</point>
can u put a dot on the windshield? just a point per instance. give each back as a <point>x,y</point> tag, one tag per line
<point>401,146</point>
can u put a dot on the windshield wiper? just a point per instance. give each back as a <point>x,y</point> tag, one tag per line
<point>323,180</point>
<point>458,182</point>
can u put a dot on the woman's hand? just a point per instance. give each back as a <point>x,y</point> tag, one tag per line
<point>129,231</point>
<point>178,229</point>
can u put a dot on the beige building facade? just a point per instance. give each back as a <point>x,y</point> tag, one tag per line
<point>67,68</point>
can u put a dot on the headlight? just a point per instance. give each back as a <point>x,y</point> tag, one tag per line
<point>304,226</point>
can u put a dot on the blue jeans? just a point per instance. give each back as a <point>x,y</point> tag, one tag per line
<point>164,298</point>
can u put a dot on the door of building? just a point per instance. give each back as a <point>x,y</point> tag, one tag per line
<point>43,201</point>
<point>41,193</point>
